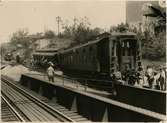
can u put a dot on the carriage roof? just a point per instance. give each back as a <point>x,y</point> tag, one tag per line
<point>43,54</point>
<point>98,39</point>
<point>123,34</point>
<point>47,50</point>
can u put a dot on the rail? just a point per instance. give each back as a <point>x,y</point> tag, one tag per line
<point>18,116</point>
<point>51,110</point>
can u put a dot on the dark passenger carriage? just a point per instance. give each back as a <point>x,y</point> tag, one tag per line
<point>103,56</point>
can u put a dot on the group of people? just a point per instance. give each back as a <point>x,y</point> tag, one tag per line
<point>148,78</point>
<point>144,78</point>
<point>157,79</point>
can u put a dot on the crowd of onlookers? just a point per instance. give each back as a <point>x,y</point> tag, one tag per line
<point>156,79</point>
<point>149,78</point>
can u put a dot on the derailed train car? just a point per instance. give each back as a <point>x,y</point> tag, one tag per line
<point>41,57</point>
<point>103,56</point>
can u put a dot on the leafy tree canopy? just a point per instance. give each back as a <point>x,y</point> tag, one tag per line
<point>49,34</point>
<point>80,31</point>
<point>20,37</point>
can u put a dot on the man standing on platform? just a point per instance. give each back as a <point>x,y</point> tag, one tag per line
<point>50,72</point>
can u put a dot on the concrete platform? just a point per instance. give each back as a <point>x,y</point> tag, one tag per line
<point>154,100</point>
<point>94,107</point>
<point>70,84</point>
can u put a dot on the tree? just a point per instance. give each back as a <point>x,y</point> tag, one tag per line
<point>120,28</point>
<point>20,37</point>
<point>49,34</point>
<point>155,46</point>
<point>22,42</point>
<point>80,31</point>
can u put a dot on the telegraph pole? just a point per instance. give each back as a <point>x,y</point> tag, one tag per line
<point>58,19</point>
<point>75,21</point>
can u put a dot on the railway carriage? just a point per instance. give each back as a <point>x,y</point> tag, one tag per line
<point>103,56</point>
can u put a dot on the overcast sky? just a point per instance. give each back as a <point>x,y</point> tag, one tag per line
<point>40,15</point>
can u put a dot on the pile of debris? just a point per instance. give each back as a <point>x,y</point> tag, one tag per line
<point>15,72</point>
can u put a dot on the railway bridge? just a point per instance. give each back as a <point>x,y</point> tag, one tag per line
<point>34,98</point>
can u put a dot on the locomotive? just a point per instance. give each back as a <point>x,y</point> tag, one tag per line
<point>102,57</point>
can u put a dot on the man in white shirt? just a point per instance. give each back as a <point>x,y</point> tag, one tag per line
<point>50,73</point>
<point>150,76</point>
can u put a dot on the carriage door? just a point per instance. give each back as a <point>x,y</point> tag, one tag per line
<point>127,54</point>
<point>103,55</point>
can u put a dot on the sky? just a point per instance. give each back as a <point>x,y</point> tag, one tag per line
<point>37,16</point>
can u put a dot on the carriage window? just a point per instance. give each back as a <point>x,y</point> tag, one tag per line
<point>65,59</point>
<point>71,59</point>
<point>91,53</point>
<point>74,58</point>
<point>84,50</point>
<point>123,45</point>
<point>68,59</point>
<point>123,48</point>
<point>90,49</point>
<point>129,48</point>
<point>127,44</point>
<point>113,48</point>
<point>84,57</point>
<point>126,48</point>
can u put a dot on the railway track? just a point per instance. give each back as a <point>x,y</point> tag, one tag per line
<point>33,108</point>
<point>8,113</point>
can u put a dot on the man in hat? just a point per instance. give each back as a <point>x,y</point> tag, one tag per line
<point>161,79</point>
<point>150,76</point>
<point>50,72</point>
